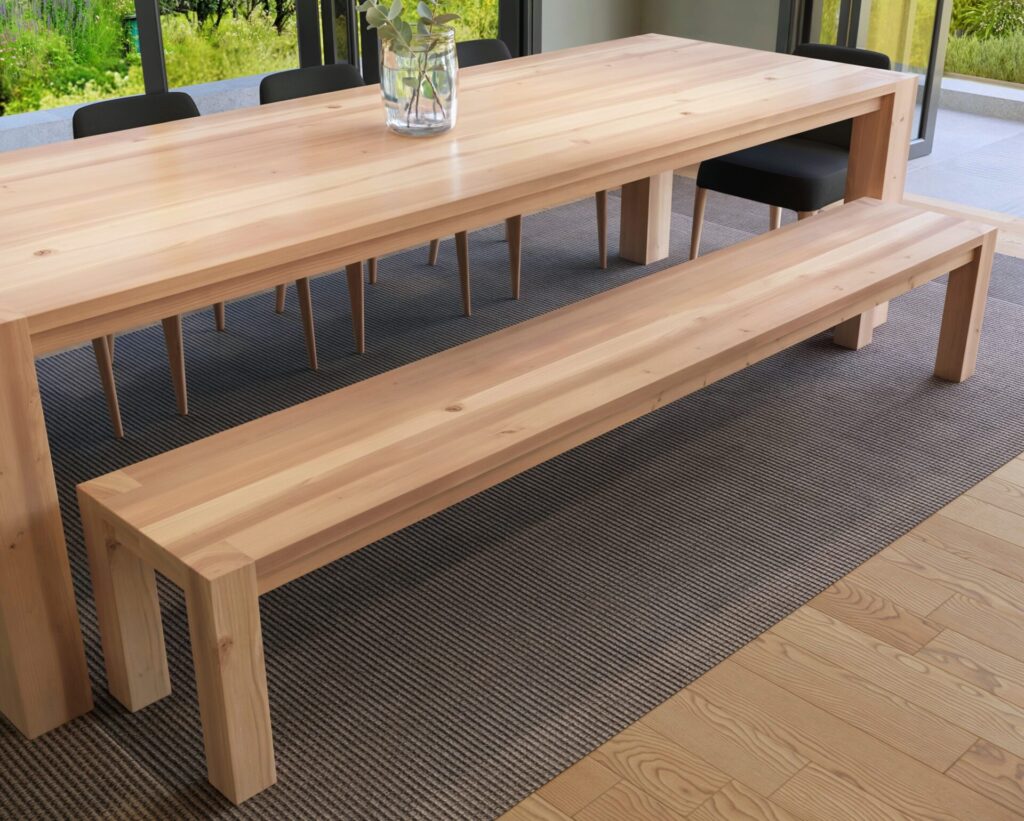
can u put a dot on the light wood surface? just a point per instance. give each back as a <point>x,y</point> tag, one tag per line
<point>125,229</point>
<point>514,237</point>
<point>242,512</point>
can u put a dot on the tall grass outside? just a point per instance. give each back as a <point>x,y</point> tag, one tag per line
<point>59,52</point>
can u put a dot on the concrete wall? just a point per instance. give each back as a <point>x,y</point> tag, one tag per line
<point>567,23</point>
<point>751,23</point>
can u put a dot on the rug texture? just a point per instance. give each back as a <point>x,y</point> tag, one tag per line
<point>449,670</point>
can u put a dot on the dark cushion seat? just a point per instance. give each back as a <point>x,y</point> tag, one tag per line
<point>795,173</point>
<point>482,52</point>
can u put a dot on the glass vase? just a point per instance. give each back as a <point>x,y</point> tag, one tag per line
<point>419,85</point>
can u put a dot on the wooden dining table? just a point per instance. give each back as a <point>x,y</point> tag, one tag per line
<point>117,231</point>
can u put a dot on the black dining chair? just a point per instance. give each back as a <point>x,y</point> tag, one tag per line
<point>804,173</point>
<point>292,85</point>
<point>119,115</point>
<point>478,53</point>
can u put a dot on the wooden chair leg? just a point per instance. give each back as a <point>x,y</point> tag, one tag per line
<point>700,202</point>
<point>128,612</point>
<point>106,369</point>
<point>355,296</point>
<point>281,298</point>
<point>462,248</point>
<point>306,306</point>
<point>514,232</point>
<point>774,218</point>
<point>219,316</point>
<point>602,229</point>
<point>372,265</point>
<point>110,346</point>
<point>435,250</point>
<point>802,215</point>
<point>231,680</point>
<point>962,317</point>
<point>176,357</point>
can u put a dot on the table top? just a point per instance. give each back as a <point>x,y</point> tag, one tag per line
<point>238,199</point>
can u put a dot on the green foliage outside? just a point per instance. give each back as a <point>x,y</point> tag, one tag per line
<point>60,52</point>
<point>986,36</point>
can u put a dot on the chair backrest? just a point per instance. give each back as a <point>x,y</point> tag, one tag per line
<point>839,134</point>
<point>305,82</point>
<point>132,112</point>
<point>481,52</point>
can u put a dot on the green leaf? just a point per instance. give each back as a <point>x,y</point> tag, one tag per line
<point>396,10</point>
<point>442,19</point>
<point>375,18</point>
<point>411,82</point>
<point>425,11</point>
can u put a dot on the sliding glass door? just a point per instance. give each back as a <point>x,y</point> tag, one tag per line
<point>912,32</point>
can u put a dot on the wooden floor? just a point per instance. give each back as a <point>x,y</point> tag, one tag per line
<point>898,693</point>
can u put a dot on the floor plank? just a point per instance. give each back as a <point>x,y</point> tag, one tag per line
<point>571,791</point>
<point>860,759</point>
<point>993,772</point>
<point>910,592</point>
<point>735,802</point>
<point>862,608</point>
<point>979,664</point>
<point>930,687</point>
<point>858,701</point>
<point>970,543</point>
<point>982,623</point>
<point>730,745</point>
<point>821,794</point>
<point>535,808</point>
<point>626,801</point>
<point>662,769</point>
<point>987,518</point>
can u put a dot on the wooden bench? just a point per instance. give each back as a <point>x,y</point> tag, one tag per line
<point>236,515</point>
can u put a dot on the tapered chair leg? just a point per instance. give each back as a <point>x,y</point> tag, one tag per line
<point>435,250</point>
<point>110,346</point>
<point>462,247</point>
<point>306,306</point>
<point>802,215</point>
<point>774,218</point>
<point>106,369</point>
<point>219,317</point>
<point>514,232</point>
<point>602,228</point>
<point>176,357</point>
<point>372,265</point>
<point>700,201</point>
<point>281,297</point>
<point>355,296</point>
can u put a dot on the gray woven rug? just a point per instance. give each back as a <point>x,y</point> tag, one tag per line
<point>450,670</point>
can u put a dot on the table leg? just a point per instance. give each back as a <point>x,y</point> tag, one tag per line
<point>646,223</point>
<point>43,677</point>
<point>879,151</point>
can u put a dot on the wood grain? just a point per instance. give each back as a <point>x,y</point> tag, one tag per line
<point>43,677</point>
<point>972,544</point>
<point>979,664</point>
<point>862,608</point>
<point>736,802</point>
<point>857,700</point>
<point>626,801</point>
<point>822,794</point>
<point>994,773</point>
<point>579,785</point>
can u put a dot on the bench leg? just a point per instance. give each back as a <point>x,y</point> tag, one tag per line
<point>227,646</point>
<point>646,223</point>
<point>963,314</point>
<point>128,611</point>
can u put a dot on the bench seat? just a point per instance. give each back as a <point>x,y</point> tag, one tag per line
<point>235,515</point>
